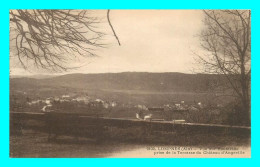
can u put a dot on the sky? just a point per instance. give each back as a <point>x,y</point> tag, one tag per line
<point>151,41</point>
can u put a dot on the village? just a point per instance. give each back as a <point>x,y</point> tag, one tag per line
<point>176,109</point>
<point>87,104</point>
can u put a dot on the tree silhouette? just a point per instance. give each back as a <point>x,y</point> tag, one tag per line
<point>49,38</point>
<point>227,42</point>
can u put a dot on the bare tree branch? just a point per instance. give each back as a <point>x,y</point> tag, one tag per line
<point>50,38</point>
<point>108,19</point>
<point>227,41</point>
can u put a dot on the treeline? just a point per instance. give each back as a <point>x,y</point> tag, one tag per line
<point>166,82</point>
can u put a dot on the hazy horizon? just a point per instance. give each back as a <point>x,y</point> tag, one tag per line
<point>59,74</point>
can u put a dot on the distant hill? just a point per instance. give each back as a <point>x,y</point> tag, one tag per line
<point>151,89</point>
<point>39,76</point>
<point>139,81</point>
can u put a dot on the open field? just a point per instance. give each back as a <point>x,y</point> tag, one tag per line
<point>76,136</point>
<point>35,144</point>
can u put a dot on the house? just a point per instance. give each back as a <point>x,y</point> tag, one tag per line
<point>113,104</point>
<point>192,108</point>
<point>106,105</point>
<point>48,101</point>
<point>34,102</point>
<point>65,96</point>
<point>142,107</point>
<point>99,101</point>
<point>84,99</point>
<point>177,105</point>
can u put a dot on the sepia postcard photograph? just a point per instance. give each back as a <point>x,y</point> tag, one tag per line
<point>129,83</point>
